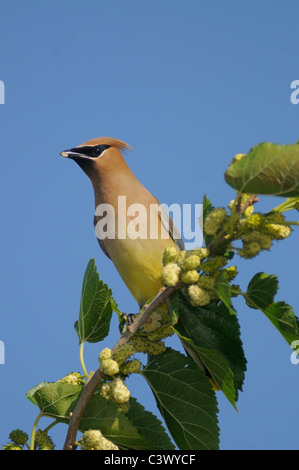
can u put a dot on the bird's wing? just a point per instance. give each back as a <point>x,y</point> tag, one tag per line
<point>100,241</point>
<point>169,225</point>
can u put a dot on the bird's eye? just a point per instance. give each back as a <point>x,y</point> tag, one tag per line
<point>97,151</point>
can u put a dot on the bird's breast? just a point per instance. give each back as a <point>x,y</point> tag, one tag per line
<point>139,263</point>
<point>134,238</point>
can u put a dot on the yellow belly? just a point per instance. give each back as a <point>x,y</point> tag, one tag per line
<point>139,263</point>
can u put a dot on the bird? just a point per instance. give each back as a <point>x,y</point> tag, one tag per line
<point>138,260</point>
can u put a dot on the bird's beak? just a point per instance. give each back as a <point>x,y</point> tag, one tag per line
<point>72,154</point>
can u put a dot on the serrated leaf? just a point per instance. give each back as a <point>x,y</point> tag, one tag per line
<point>271,169</point>
<point>114,424</point>
<point>185,400</point>
<point>31,392</point>
<point>214,329</point>
<point>95,307</point>
<point>283,318</point>
<point>58,400</point>
<point>55,400</point>
<point>261,290</point>
<point>217,367</point>
<point>222,287</point>
<point>148,425</point>
<point>260,295</point>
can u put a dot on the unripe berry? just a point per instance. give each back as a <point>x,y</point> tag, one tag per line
<point>109,367</point>
<point>94,440</point>
<point>154,323</point>
<point>170,274</point>
<point>276,231</point>
<point>122,353</point>
<point>131,367</point>
<point>191,262</point>
<point>250,250</point>
<point>105,354</point>
<point>43,441</point>
<point>18,437</point>
<point>202,252</point>
<point>120,392</point>
<point>190,277</point>
<point>170,255</point>
<point>198,296</point>
<point>212,265</point>
<point>214,220</point>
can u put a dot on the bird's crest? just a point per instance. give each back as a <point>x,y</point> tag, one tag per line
<point>108,141</point>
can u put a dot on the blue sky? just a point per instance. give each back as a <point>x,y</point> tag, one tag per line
<point>188,85</point>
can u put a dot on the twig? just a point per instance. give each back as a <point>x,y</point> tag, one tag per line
<point>241,207</point>
<point>90,386</point>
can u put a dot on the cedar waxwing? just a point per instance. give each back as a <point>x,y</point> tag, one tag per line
<point>138,261</point>
<point>118,196</point>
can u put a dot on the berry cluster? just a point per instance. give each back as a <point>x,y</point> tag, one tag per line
<point>198,269</point>
<point>18,439</point>
<point>93,439</point>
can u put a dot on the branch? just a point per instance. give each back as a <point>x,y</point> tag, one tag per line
<point>91,385</point>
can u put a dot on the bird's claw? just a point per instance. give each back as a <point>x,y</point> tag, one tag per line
<point>129,319</point>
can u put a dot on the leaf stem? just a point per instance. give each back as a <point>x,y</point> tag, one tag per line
<point>82,359</point>
<point>33,432</point>
<point>51,425</point>
<point>287,205</point>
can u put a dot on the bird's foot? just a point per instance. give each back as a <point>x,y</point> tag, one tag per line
<point>129,319</point>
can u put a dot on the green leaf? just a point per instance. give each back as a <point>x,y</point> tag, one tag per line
<point>261,290</point>
<point>31,392</point>
<point>58,400</point>
<point>213,362</point>
<point>148,425</point>
<point>207,208</point>
<point>283,318</point>
<point>268,169</point>
<point>260,295</point>
<point>96,307</point>
<point>173,308</point>
<point>222,287</point>
<point>55,400</point>
<point>217,332</point>
<point>185,399</point>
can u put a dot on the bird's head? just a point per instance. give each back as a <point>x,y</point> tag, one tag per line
<point>98,155</point>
